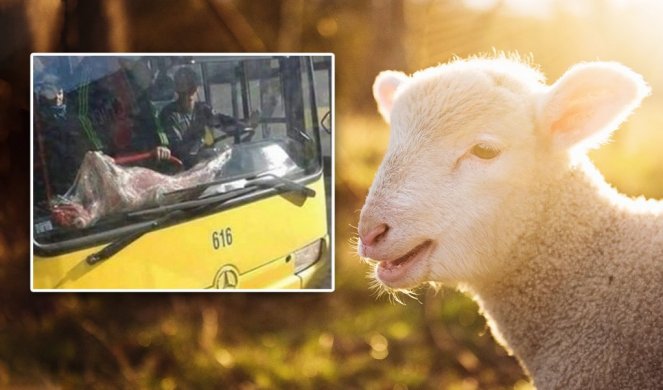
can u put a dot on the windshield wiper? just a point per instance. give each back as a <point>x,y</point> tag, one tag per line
<point>244,187</point>
<point>198,189</point>
<point>270,180</point>
<point>171,213</point>
<point>193,207</point>
<point>122,242</point>
<point>267,180</point>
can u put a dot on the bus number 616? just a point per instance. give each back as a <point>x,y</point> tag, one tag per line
<point>222,238</point>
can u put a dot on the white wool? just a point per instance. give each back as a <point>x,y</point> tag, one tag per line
<point>568,271</point>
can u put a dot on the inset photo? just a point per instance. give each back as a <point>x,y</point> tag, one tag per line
<point>182,172</point>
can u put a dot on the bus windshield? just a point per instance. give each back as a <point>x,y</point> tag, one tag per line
<point>117,135</point>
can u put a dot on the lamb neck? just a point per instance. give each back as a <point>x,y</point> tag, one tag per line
<point>567,308</point>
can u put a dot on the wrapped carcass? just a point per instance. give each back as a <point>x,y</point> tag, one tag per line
<point>103,187</point>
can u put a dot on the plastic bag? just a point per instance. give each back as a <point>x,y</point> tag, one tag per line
<point>102,188</point>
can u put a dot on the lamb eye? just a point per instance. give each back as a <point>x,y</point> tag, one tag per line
<point>485,152</point>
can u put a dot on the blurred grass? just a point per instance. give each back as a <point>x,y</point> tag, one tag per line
<point>312,341</point>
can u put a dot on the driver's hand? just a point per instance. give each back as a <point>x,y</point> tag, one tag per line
<point>163,153</point>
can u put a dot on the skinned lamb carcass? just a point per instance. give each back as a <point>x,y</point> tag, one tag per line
<point>102,187</point>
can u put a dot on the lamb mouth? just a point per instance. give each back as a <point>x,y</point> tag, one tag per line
<point>391,270</point>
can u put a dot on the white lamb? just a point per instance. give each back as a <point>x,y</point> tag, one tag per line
<point>486,186</point>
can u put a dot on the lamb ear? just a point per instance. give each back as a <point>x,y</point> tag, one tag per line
<point>384,89</point>
<point>589,102</point>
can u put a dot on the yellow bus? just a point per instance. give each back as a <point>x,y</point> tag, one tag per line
<point>180,172</point>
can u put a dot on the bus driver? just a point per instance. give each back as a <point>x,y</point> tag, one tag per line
<point>184,121</point>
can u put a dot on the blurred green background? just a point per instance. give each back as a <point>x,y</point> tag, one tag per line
<point>346,339</point>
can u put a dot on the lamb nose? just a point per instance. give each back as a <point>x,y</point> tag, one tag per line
<point>373,236</point>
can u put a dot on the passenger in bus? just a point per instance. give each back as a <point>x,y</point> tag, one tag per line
<point>108,110</point>
<point>113,106</point>
<point>185,120</point>
<point>58,148</point>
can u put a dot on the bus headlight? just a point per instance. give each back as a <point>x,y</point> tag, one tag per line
<point>308,255</point>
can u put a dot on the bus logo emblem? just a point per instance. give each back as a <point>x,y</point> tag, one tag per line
<point>227,278</point>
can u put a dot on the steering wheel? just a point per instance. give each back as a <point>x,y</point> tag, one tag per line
<point>137,157</point>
